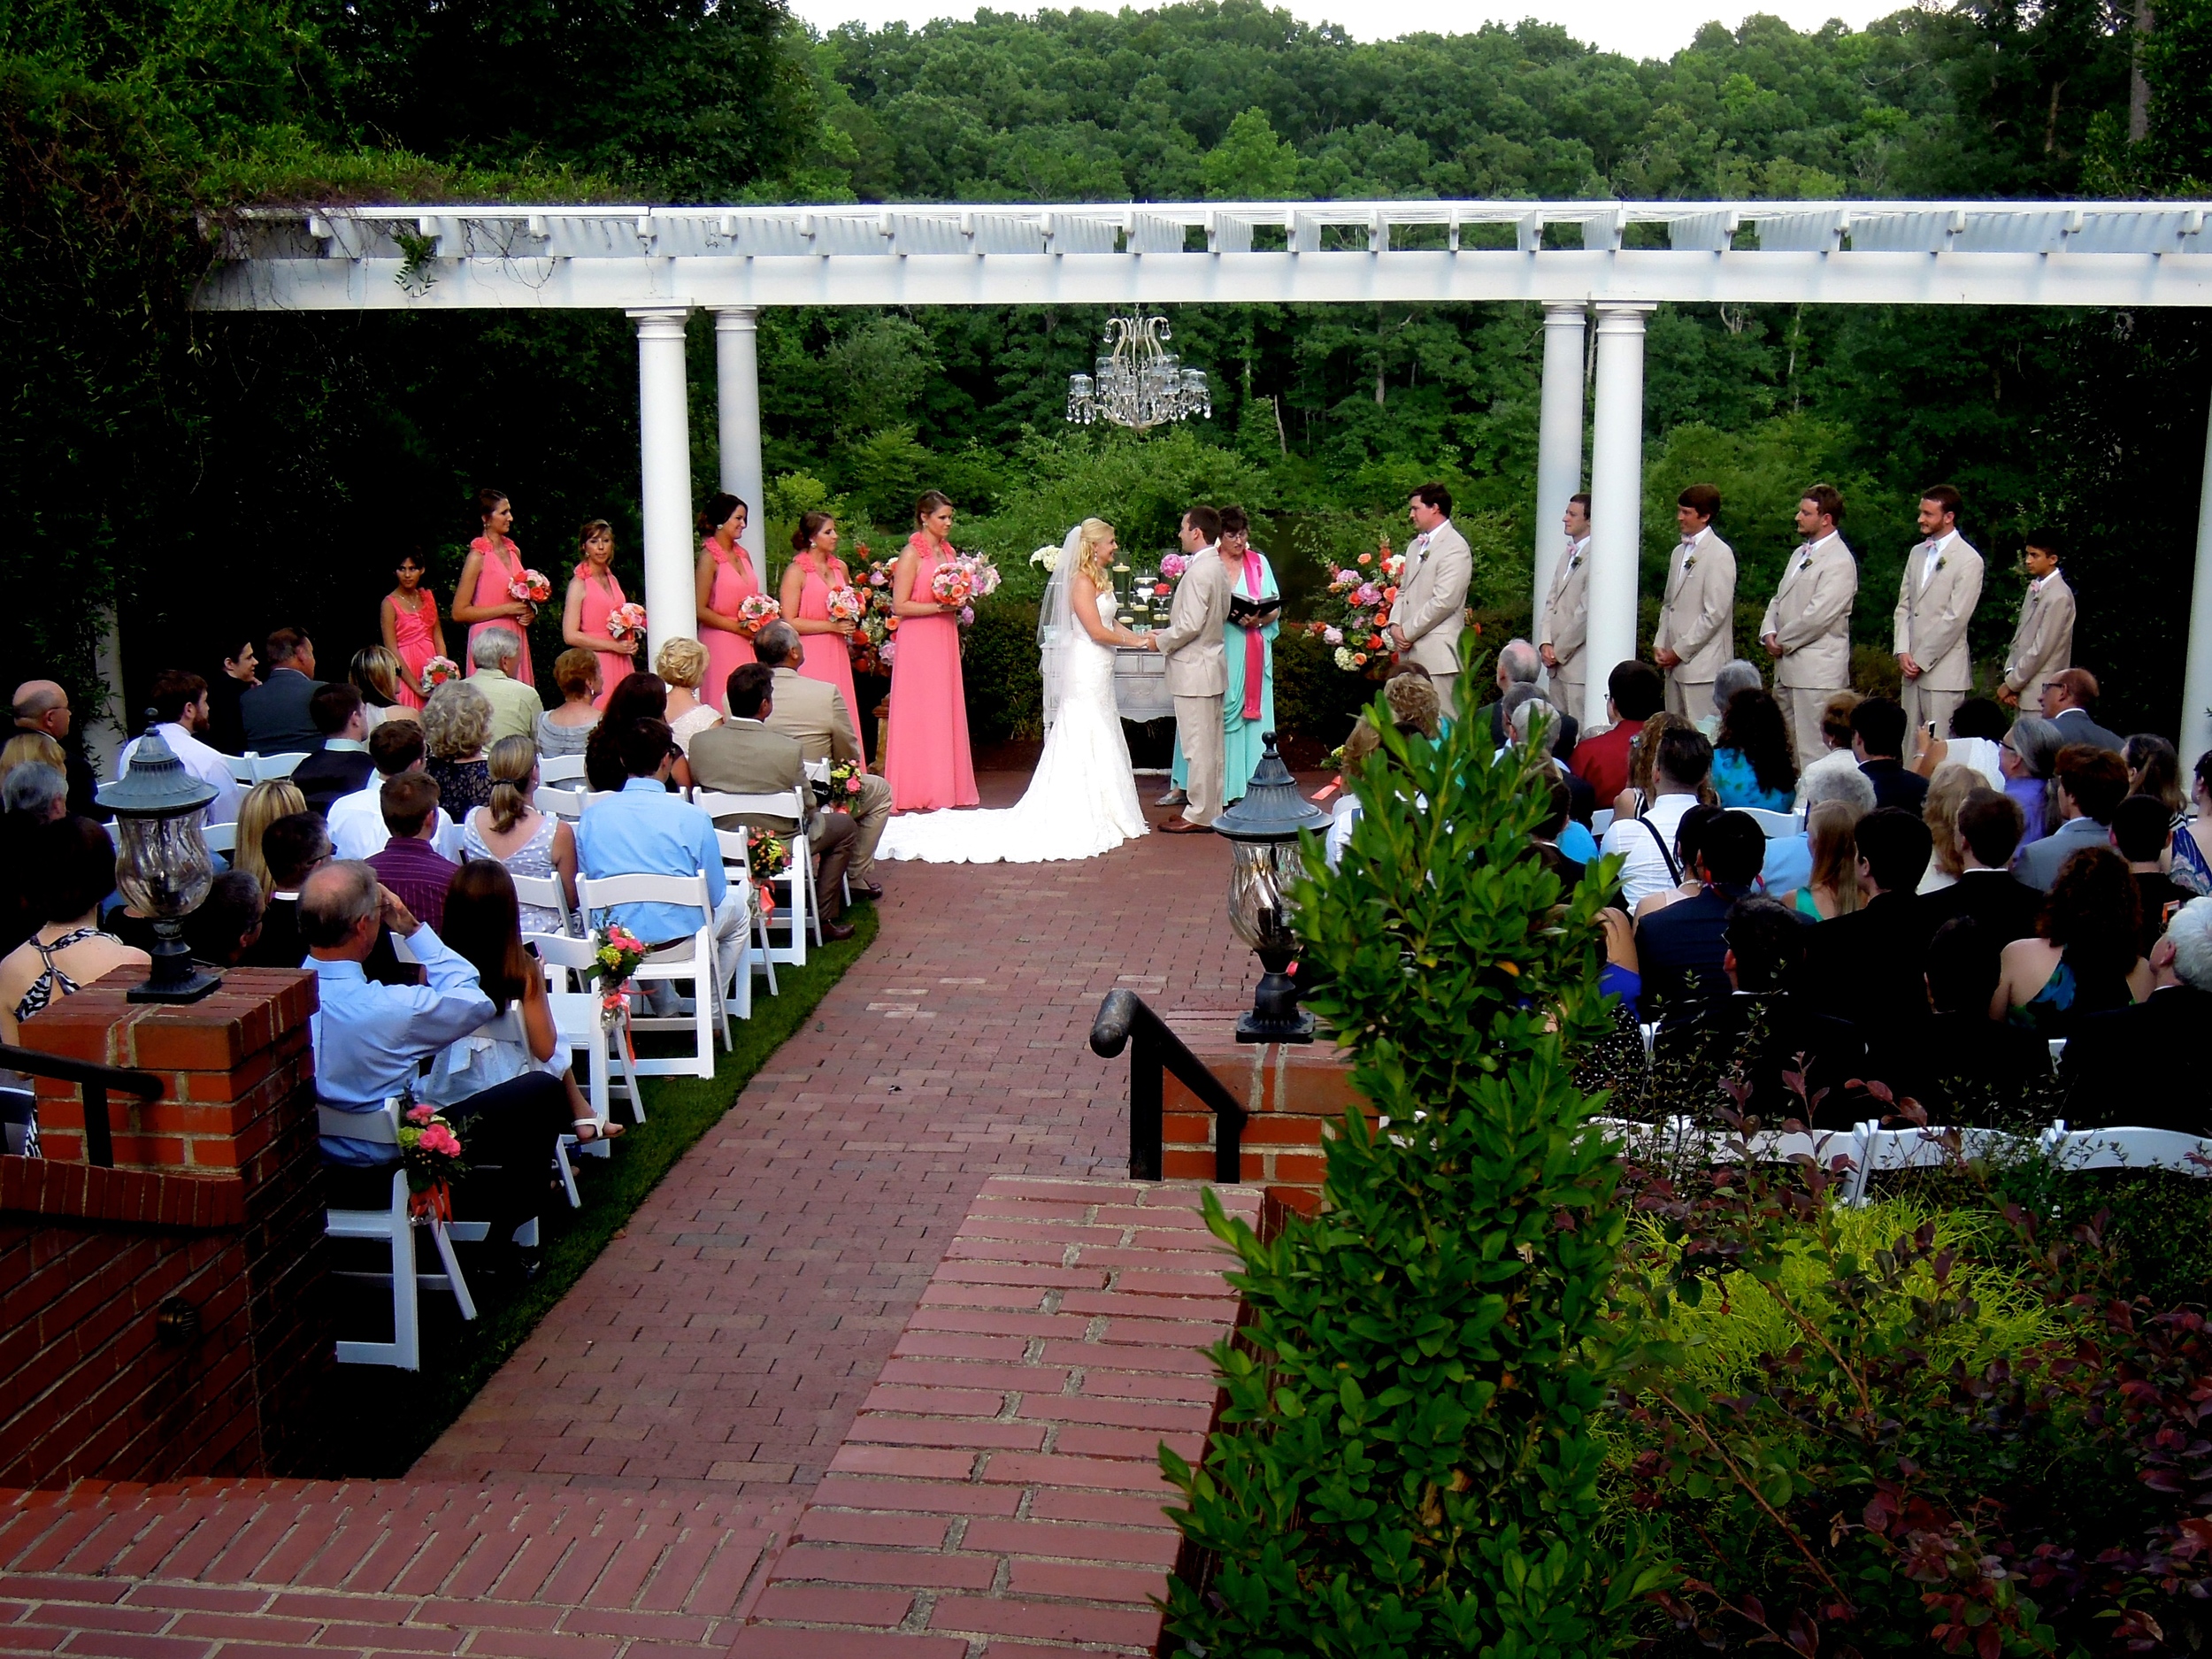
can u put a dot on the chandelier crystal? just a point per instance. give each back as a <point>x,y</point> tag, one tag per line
<point>1138,382</point>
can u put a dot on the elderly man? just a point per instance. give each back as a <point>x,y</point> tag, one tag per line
<point>1519,663</point>
<point>36,793</point>
<point>2141,1065</point>
<point>812,711</point>
<point>341,765</point>
<point>356,820</point>
<point>2070,697</point>
<point>274,713</point>
<point>181,713</point>
<point>41,705</point>
<point>515,706</point>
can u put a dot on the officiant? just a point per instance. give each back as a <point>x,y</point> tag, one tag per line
<point>1255,612</point>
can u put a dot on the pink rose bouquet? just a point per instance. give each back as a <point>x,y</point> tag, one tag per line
<point>431,1153</point>
<point>755,612</point>
<point>531,586</point>
<point>845,605</point>
<point>436,672</point>
<point>1173,566</point>
<point>844,786</point>
<point>625,622</point>
<point>952,583</point>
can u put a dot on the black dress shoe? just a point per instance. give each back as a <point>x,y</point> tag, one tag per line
<point>835,931</point>
<point>867,890</point>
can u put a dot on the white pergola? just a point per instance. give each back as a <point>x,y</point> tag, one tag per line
<point>657,264</point>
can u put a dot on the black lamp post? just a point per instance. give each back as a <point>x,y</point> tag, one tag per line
<point>1262,831</point>
<point>163,866</point>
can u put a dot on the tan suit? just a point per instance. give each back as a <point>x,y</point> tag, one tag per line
<point>745,758</point>
<point>2044,642</point>
<point>515,706</point>
<point>1198,678</point>
<point>1432,605</point>
<point>1697,621</point>
<point>1565,626</point>
<point>813,712</point>
<point>1810,615</point>
<point>1935,601</point>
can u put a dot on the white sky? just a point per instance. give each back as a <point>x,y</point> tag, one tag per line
<point>1641,29</point>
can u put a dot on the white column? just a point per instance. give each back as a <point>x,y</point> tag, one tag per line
<point>737,389</point>
<point>1558,444</point>
<point>664,468</point>
<point>1617,492</point>
<point>2196,684</point>
<point>103,738</point>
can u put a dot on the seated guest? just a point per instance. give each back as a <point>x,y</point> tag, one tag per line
<point>75,862</point>
<point>41,706</point>
<point>564,731</point>
<point>1977,734</point>
<point>2027,756</point>
<point>1752,761</point>
<point>2142,830</point>
<point>1529,708</point>
<point>230,678</point>
<point>1634,691</point>
<point>1545,835</point>
<point>356,820</point>
<point>1643,756</point>
<point>2089,784</point>
<point>1948,786</point>
<point>1831,887</point>
<point>1646,842</point>
<point>513,833</point>
<point>341,765</point>
<point>2087,954</point>
<point>1680,949</point>
<point>742,757</point>
<point>1836,739</point>
<point>1867,966</point>
<point>2139,1065</point>
<point>370,1041</point>
<point>36,793</point>
<point>227,924</point>
<point>181,715</point>
<point>294,848</point>
<point>1519,663</point>
<point>1735,675</point>
<point>514,706</point>
<point>2070,702</point>
<point>1760,1031</point>
<point>1987,829</point>
<point>682,664</point>
<point>1689,836</point>
<point>639,696</point>
<point>1962,1066</point>
<point>377,673</point>
<point>812,712</point>
<point>264,803</point>
<point>2154,768</point>
<point>644,830</point>
<point>1878,738</point>
<point>409,864</point>
<point>274,713</point>
<point>26,747</point>
<point>456,726</point>
<point>1415,707</point>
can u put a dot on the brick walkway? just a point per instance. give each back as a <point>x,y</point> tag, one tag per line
<point>618,1483</point>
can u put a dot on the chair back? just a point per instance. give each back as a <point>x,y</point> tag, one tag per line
<point>818,771</point>
<point>268,766</point>
<point>1775,826</point>
<point>1600,820</point>
<point>596,894</point>
<point>791,804</point>
<point>379,1128</point>
<point>560,768</point>
<point>556,802</point>
<point>2126,1149</point>
<point>242,767</point>
<point>545,892</point>
<point>220,838</point>
<point>560,955</point>
<point>593,797</point>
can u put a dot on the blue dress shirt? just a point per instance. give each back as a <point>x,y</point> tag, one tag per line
<point>370,1039</point>
<point>645,830</point>
<point>1788,865</point>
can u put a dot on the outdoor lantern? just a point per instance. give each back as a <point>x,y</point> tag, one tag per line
<point>1262,833</point>
<point>163,866</point>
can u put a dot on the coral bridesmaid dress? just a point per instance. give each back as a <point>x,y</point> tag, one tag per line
<point>599,599</point>
<point>413,637</point>
<point>734,580</point>
<point>829,658</point>
<point>502,565</point>
<point>928,766</point>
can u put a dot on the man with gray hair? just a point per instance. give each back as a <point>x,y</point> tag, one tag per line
<point>2139,1066</point>
<point>1789,860</point>
<point>813,713</point>
<point>1519,664</point>
<point>42,705</point>
<point>515,706</point>
<point>1525,706</point>
<point>36,793</point>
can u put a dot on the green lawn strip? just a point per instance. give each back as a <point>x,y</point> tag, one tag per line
<point>411,1409</point>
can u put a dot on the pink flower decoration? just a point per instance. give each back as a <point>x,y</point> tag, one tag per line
<point>1335,636</point>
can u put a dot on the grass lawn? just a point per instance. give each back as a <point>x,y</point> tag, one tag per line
<point>411,1408</point>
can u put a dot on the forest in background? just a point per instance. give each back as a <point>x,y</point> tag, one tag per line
<point>217,476</point>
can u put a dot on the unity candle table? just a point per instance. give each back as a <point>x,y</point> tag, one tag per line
<point>1140,685</point>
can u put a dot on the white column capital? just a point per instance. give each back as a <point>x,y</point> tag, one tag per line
<point>732,318</point>
<point>1624,319</point>
<point>1565,313</point>
<point>659,322</point>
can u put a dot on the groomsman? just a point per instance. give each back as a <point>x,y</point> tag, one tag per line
<point>2044,642</point>
<point>1807,629</point>
<point>1430,610</point>
<point>1565,623</point>
<point>1935,603</point>
<point>1697,621</point>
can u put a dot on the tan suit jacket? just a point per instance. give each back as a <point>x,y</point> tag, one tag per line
<point>812,714</point>
<point>1192,642</point>
<point>515,706</point>
<point>1697,618</point>
<point>1810,613</point>
<point>1932,616</point>
<point>1565,625</point>
<point>746,757</point>
<point>2044,642</point>
<point>1432,600</point>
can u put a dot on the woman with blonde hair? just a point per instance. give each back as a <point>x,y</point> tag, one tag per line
<point>1947,791</point>
<point>264,805</point>
<point>457,724</point>
<point>510,831</point>
<point>1832,832</point>
<point>380,676</point>
<point>682,663</point>
<point>27,747</point>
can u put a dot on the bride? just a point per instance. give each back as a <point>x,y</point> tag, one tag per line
<point>1082,799</point>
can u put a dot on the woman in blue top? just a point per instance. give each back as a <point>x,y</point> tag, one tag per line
<point>1753,766</point>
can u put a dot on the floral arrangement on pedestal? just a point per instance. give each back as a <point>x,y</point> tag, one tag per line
<point>430,1152</point>
<point>1355,608</point>
<point>873,644</point>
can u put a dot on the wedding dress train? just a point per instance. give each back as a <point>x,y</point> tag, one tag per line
<point>1082,799</point>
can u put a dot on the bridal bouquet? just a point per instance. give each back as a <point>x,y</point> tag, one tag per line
<point>755,612</point>
<point>436,672</point>
<point>431,1153</point>
<point>530,587</point>
<point>846,604</point>
<point>625,622</point>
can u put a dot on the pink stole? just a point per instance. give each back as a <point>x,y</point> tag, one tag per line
<point>1254,643</point>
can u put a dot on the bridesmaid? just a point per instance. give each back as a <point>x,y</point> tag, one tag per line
<point>724,578</point>
<point>411,628</point>
<point>927,764</point>
<point>492,562</point>
<point>807,582</point>
<point>592,593</point>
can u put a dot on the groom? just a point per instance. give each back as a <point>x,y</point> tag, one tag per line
<point>1197,670</point>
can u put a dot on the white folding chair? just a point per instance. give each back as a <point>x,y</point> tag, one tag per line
<point>560,768</point>
<point>1600,820</point>
<point>242,768</point>
<point>268,766</point>
<point>220,838</point>
<point>737,869</point>
<point>508,1027</point>
<point>593,797</point>
<point>578,1016</point>
<point>396,1227</point>
<point>692,959</point>
<point>1914,1148</point>
<point>568,803</point>
<point>545,892</point>
<point>803,912</point>
<point>1775,826</point>
<point>2125,1148</point>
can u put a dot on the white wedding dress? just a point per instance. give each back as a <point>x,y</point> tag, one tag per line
<point>1081,800</point>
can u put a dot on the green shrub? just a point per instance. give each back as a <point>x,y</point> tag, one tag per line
<point>999,673</point>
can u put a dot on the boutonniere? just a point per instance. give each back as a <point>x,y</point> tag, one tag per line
<point>1689,564</point>
<point>1806,562</point>
<point>1941,560</point>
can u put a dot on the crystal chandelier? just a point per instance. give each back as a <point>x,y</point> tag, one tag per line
<point>1138,383</point>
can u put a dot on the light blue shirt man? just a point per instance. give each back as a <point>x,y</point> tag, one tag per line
<point>647,830</point>
<point>370,1038</point>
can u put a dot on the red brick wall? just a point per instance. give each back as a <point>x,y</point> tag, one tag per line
<point>1295,1093</point>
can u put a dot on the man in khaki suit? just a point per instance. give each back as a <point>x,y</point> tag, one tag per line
<point>1697,618</point>
<point>812,712</point>
<point>1807,628</point>
<point>2044,642</point>
<point>1564,626</point>
<point>743,756</point>
<point>1935,601</point>
<point>1197,669</point>
<point>1430,611</point>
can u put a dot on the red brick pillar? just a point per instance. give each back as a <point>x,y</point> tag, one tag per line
<point>1295,1093</point>
<point>214,1206</point>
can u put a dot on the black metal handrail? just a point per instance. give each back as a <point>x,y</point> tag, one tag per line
<point>1154,1050</point>
<point>96,1080</point>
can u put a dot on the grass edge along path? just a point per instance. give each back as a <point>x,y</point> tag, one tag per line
<point>414,1408</point>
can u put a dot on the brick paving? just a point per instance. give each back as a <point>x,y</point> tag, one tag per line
<point>618,1487</point>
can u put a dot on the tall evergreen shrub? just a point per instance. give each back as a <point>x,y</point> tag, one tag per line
<point>1407,1464</point>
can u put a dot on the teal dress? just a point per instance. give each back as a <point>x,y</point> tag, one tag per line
<point>1241,738</point>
